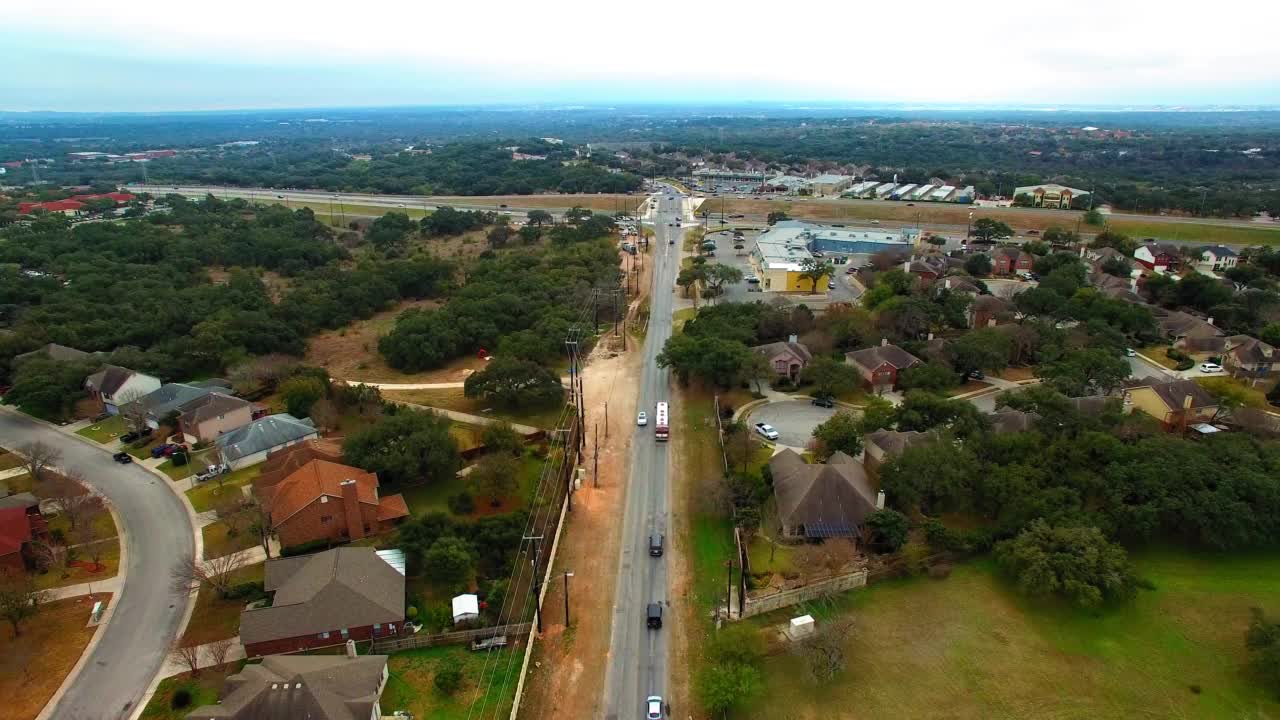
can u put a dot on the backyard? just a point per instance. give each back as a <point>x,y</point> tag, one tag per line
<point>434,497</point>
<point>969,647</point>
<point>411,686</point>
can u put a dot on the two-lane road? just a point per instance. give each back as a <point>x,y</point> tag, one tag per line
<point>156,532</point>
<point>637,655</point>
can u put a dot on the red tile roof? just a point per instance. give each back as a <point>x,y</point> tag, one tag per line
<point>15,529</point>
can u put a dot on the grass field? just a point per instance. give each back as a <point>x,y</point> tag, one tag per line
<point>34,664</point>
<point>411,686</point>
<point>453,399</point>
<point>434,497</point>
<point>968,647</point>
<point>701,466</point>
<point>104,432</point>
<point>204,690</point>
<point>218,543</point>
<point>205,496</point>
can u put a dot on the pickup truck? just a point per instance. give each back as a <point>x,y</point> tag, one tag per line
<point>766,430</point>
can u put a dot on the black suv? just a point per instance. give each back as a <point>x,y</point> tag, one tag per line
<point>653,616</point>
<point>655,545</point>
<point>825,402</point>
<point>123,458</point>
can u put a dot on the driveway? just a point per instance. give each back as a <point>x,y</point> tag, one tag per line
<point>145,614</point>
<point>793,419</point>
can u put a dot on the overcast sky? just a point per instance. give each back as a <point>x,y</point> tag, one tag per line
<point>151,55</point>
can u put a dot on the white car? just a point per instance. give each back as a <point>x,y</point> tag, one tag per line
<point>653,708</point>
<point>1208,367</point>
<point>642,418</point>
<point>766,430</point>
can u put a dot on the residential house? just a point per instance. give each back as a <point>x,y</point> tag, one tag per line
<point>821,501</point>
<point>113,386</point>
<point>989,311</point>
<point>282,463</point>
<point>1250,357</point>
<point>15,533</point>
<point>25,500</point>
<point>1216,258</point>
<point>879,366</point>
<point>1159,257</point>
<point>882,446</point>
<point>250,444</point>
<point>1177,404</point>
<point>315,687</point>
<point>1050,195</point>
<point>1177,325</point>
<point>325,500</point>
<point>1010,260</point>
<point>157,405</point>
<point>54,351</point>
<point>1116,288</point>
<point>958,284</point>
<point>926,267</point>
<point>209,417</point>
<point>1097,257</point>
<point>786,359</point>
<point>1010,421</point>
<point>325,599</point>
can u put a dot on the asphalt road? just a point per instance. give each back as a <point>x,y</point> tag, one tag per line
<point>793,419</point>
<point>638,656</point>
<point>147,614</point>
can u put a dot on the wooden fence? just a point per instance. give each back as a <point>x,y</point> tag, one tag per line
<point>383,646</point>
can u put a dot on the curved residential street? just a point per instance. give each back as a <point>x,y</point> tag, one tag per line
<point>146,614</point>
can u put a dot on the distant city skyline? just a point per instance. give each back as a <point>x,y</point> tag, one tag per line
<point>148,56</point>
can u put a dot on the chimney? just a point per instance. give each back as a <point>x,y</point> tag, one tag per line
<point>351,649</point>
<point>884,341</point>
<point>991,322</point>
<point>1210,321</point>
<point>946,284</point>
<point>880,500</point>
<point>351,509</point>
<point>1187,402</point>
<point>793,338</point>
<point>1081,251</point>
<point>906,265</point>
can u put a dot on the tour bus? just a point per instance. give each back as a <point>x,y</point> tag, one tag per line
<point>661,428</point>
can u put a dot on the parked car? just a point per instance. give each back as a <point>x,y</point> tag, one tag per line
<point>977,375</point>
<point>823,401</point>
<point>159,450</point>
<point>850,270</point>
<point>831,284</point>
<point>751,278</point>
<point>653,708</point>
<point>766,430</point>
<point>123,458</point>
<point>653,616</point>
<point>1033,232</point>
<point>642,418</point>
<point>130,436</point>
<point>1208,367</point>
<point>1130,352</point>
<point>655,545</point>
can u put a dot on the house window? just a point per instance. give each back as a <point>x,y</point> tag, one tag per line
<point>344,633</point>
<point>324,636</point>
<point>780,366</point>
<point>377,627</point>
<point>326,519</point>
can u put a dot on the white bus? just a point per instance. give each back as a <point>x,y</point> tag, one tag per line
<point>661,426</point>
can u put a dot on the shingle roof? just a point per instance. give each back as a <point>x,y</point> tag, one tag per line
<point>895,442</point>
<point>1008,421</point>
<point>344,588</point>
<point>170,397</point>
<point>210,406</point>
<point>281,463</point>
<point>109,379</point>
<point>774,348</point>
<point>263,434</point>
<point>832,499</point>
<point>873,357</point>
<point>54,351</point>
<point>1221,251</point>
<point>1251,351</point>
<point>1176,323</point>
<point>1174,393</point>
<point>22,500</point>
<point>288,687</point>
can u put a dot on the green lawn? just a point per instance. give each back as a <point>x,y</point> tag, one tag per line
<point>9,460</point>
<point>205,496</point>
<point>1206,233</point>
<point>453,399</point>
<point>970,647</point>
<point>426,498</point>
<point>106,431</point>
<point>204,690</point>
<point>215,618</point>
<point>218,543</point>
<point>197,461</point>
<point>1159,355</point>
<point>411,685</point>
<point>711,529</point>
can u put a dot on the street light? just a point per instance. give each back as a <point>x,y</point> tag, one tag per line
<point>567,575</point>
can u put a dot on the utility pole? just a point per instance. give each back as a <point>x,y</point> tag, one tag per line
<point>537,581</point>
<point>567,575</point>
<point>606,419</point>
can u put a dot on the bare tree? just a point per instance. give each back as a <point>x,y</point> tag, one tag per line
<point>186,653</point>
<point>824,651</point>
<point>264,371</point>
<point>325,414</point>
<point>260,525</point>
<point>217,574</point>
<point>38,457</point>
<point>72,496</point>
<point>19,598</point>
<point>230,510</point>
<point>133,410</point>
<point>219,650</point>
<point>93,547</point>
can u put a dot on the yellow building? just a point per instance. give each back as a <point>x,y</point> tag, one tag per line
<point>1177,405</point>
<point>780,266</point>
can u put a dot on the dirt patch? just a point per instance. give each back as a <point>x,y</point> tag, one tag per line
<point>351,353</point>
<point>458,248</point>
<point>34,664</point>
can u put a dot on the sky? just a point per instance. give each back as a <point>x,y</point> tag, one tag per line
<point>146,55</point>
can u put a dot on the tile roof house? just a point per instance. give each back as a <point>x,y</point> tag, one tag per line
<point>989,311</point>
<point>325,599</point>
<point>820,501</point>
<point>957,283</point>
<point>208,417</point>
<point>250,444</point>
<point>281,463</point>
<point>879,366</point>
<point>786,358</point>
<point>882,446</point>
<point>314,687</point>
<point>1177,404</point>
<point>324,500</point>
<point>113,386</point>
<point>15,532</point>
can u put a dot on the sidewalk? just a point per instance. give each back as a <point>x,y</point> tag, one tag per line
<point>471,419</point>
<point>109,584</point>
<point>204,659</point>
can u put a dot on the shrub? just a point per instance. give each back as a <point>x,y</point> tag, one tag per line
<point>448,679</point>
<point>304,548</point>
<point>181,698</point>
<point>462,503</point>
<point>246,591</point>
<point>411,612</point>
<point>1077,563</point>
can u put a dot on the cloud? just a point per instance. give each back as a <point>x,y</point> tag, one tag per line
<point>570,50</point>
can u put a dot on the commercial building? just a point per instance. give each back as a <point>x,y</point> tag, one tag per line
<point>781,250</point>
<point>884,189</point>
<point>1048,195</point>
<point>901,191</point>
<point>942,194</point>
<point>922,192</point>
<point>828,184</point>
<point>778,259</point>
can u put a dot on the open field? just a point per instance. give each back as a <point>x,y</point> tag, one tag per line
<point>1021,220</point>
<point>434,497</point>
<point>969,647</point>
<point>453,399</point>
<point>351,353</point>
<point>411,686</point>
<point>604,203</point>
<point>35,663</point>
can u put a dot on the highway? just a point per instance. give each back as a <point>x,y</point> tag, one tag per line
<point>146,614</point>
<point>637,660</point>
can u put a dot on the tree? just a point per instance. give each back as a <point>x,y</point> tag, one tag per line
<point>830,377</point>
<point>824,651</point>
<point>978,265</point>
<point>300,392</point>
<point>889,529</point>
<point>841,432</point>
<point>389,232</point>
<point>1093,217</point>
<point>756,369</point>
<point>259,523</point>
<point>1262,640</point>
<point>982,349</point>
<point>498,235</point>
<point>48,388</point>
<point>1077,563</point>
<point>500,437</point>
<point>718,274</point>
<point>987,229</point>
<point>219,650</point>
<point>814,270</point>
<point>515,383</point>
<point>408,447</point>
<point>448,561</point>
<point>776,217</point>
<point>495,476</point>
<point>575,215</point>
<point>19,598</point>
<point>539,217</point>
<point>132,410</point>
<point>1058,235</point>
<point>726,685</point>
<point>325,414</point>
<point>1086,371</point>
<point>216,574</point>
<point>187,654</point>
<point>530,234</point>
<point>931,376</point>
<point>934,477</point>
<point>1117,240</point>
<point>1117,267</point>
<point>38,457</point>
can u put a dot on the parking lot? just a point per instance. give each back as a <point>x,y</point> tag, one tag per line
<point>746,292</point>
<point>793,419</point>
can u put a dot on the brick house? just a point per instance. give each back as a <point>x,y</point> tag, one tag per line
<point>282,463</point>
<point>113,386</point>
<point>988,311</point>
<point>15,533</point>
<point>1158,256</point>
<point>207,418</point>
<point>325,599</point>
<point>316,687</point>
<point>879,366</point>
<point>325,500</point>
<point>786,359</point>
<point>1010,260</point>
